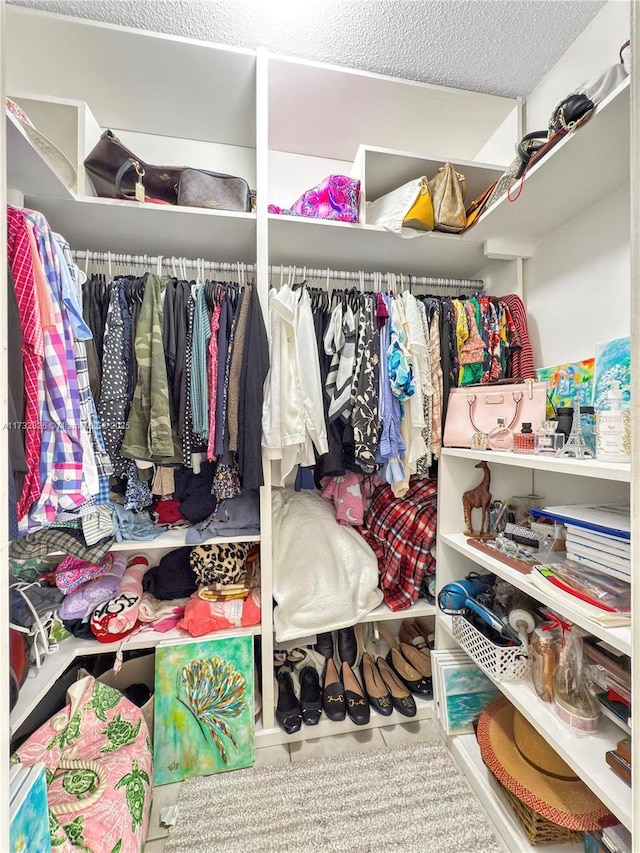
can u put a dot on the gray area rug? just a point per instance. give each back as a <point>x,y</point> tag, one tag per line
<point>408,798</point>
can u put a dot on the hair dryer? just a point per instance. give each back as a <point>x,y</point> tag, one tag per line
<point>460,595</point>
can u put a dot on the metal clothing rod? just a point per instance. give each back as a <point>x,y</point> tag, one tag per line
<point>395,281</point>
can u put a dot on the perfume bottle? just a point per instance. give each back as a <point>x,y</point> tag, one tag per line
<point>547,440</point>
<point>523,441</point>
<point>500,437</point>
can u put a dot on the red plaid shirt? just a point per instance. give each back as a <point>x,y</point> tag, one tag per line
<point>401,531</point>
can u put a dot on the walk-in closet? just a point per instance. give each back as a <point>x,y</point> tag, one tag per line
<point>250,549</point>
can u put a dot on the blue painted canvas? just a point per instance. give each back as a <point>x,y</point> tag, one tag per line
<point>613,362</point>
<point>29,828</point>
<point>468,692</point>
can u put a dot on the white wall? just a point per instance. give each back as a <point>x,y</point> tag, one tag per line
<point>577,285</point>
<point>594,50</point>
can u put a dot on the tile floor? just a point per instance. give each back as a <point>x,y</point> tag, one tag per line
<point>421,730</point>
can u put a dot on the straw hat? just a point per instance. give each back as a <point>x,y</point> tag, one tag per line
<point>51,154</point>
<point>526,765</point>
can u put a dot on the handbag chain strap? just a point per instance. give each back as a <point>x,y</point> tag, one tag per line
<point>472,399</point>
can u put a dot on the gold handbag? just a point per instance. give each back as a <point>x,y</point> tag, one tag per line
<point>420,215</point>
<point>447,190</point>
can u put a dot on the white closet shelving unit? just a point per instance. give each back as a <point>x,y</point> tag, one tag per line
<point>285,124</point>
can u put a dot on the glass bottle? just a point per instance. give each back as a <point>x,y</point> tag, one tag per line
<point>548,441</point>
<point>523,441</point>
<point>500,437</point>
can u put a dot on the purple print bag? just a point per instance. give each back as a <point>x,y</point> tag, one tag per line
<point>336,197</point>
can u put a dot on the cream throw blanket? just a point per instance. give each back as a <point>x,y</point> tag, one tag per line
<point>325,576</point>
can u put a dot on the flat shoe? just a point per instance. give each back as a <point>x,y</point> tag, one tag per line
<point>401,698</point>
<point>333,701</point>
<point>357,705</point>
<point>374,687</point>
<point>409,676</point>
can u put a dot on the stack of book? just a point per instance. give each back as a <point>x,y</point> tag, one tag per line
<point>610,673</point>
<point>619,759</point>
<point>598,535</point>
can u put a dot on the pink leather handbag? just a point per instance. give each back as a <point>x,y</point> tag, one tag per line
<point>476,408</point>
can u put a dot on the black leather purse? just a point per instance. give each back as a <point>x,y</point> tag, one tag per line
<point>116,172</point>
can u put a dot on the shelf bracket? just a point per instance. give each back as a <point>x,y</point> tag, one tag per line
<point>506,250</point>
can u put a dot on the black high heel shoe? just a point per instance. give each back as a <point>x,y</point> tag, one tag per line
<point>310,696</point>
<point>347,646</point>
<point>288,712</point>
<point>413,678</point>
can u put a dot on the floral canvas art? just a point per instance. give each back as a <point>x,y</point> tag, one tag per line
<point>204,719</point>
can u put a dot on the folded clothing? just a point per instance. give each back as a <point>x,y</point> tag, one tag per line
<point>202,617</point>
<point>81,603</point>
<point>173,577</point>
<point>116,618</point>
<point>71,573</point>
<point>223,563</point>
<point>134,525</point>
<point>168,511</point>
<point>194,492</point>
<point>239,516</point>
<point>161,615</point>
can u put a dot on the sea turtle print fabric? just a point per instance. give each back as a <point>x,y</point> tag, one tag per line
<point>98,759</point>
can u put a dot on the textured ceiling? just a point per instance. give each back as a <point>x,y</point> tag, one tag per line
<point>503,47</point>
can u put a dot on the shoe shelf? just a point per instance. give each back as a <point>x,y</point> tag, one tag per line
<point>619,638</point>
<point>584,753</point>
<point>466,753</point>
<point>383,612</point>
<point>620,472</point>
<point>327,728</point>
<point>37,685</point>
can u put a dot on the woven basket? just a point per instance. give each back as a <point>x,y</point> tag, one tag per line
<point>509,663</point>
<point>538,829</point>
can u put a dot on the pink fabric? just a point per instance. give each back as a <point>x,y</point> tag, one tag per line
<point>212,375</point>
<point>349,493</point>
<point>71,573</point>
<point>116,618</point>
<point>202,617</point>
<point>336,198</point>
<point>102,726</point>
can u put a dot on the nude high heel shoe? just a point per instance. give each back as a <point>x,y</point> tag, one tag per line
<point>375,688</point>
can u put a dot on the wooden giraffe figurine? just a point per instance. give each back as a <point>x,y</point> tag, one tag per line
<point>478,498</point>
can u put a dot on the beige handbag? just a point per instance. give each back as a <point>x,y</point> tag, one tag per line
<point>447,190</point>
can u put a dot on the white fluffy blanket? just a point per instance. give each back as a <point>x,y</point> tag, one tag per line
<point>325,576</point>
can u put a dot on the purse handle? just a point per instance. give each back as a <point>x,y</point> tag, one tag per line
<point>472,399</point>
<point>128,164</point>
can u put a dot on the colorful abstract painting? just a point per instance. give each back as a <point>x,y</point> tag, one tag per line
<point>463,691</point>
<point>565,381</point>
<point>204,721</point>
<point>613,362</point>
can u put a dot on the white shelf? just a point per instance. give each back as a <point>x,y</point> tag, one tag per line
<point>103,224</point>
<point>466,752</point>
<point>579,171</point>
<point>328,728</point>
<point>352,246</point>
<point>619,638</point>
<point>620,472</point>
<point>26,169</point>
<point>386,169</point>
<point>383,612</point>
<point>147,81</point>
<point>35,688</point>
<point>176,539</point>
<point>584,752</point>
